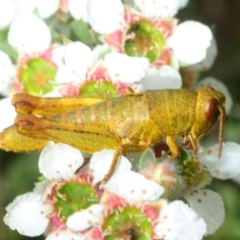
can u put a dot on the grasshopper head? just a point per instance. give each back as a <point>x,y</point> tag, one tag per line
<point>210,105</point>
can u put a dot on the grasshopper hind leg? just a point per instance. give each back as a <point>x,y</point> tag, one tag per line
<point>85,138</point>
<point>117,154</point>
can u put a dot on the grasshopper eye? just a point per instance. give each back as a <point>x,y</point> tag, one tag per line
<point>210,108</point>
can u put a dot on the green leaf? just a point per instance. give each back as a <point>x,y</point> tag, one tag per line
<point>82,31</point>
<point>5,47</point>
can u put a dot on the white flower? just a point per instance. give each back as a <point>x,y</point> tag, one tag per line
<point>78,9</point>
<point>163,78</point>
<point>190,41</point>
<point>46,8</point>
<point>105,16</point>
<point>64,235</point>
<point>77,59</point>
<point>25,6</point>
<point>124,68</point>
<point>163,8</point>
<point>209,205</point>
<point>28,214</point>
<point>183,45</point>
<point>10,9</point>
<point>7,71</point>
<point>183,3</point>
<point>208,61</point>
<point>78,64</point>
<point>177,221</point>
<point>100,50</point>
<point>59,161</point>
<point>85,218</point>
<point>29,34</point>
<point>134,187</point>
<point>7,12</point>
<point>105,21</point>
<point>228,166</point>
<point>6,107</point>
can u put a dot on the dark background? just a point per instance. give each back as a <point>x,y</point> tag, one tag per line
<point>18,172</point>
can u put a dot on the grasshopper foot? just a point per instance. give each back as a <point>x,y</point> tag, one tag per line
<point>175,155</point>
<point>173,147</point>
<point>98,185</point>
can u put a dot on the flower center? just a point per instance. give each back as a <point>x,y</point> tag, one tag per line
<point>37,76</point>
<point>144,40</point>
<point>128,223</point>
<point>192,170</point>
<point>73,197</point>
<point>99,88</point>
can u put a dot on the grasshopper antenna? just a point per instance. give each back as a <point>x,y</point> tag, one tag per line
<point>220,134</point>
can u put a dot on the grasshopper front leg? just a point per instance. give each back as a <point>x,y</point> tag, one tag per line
<point>173,147</point>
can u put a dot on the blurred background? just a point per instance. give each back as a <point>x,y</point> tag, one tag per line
<point>18,171</point>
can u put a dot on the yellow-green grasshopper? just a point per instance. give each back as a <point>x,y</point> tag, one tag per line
<point>127,124</point>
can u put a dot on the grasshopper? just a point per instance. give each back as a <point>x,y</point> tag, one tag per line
<point>127,124</point>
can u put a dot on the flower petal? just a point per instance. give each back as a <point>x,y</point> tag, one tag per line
<point>178,221</point>
<point>209,205</point>
<point>124,68</point>
<point>6,107</point>
<point>228,166</point>
<point>58,54</point>
<point>183,3</point>
<point>64,235</point>
<point>86,218</point>
<point>101,161</point>
<point>78,58</point>
<point>217,85</point>
<point>26,6</point>
<point>162,78</point>
<point>26,215</point>
<point>163,8</point>
<point>99,51</point>
<point>7,12</point>
<point>78,9</point>
<point>59,161</point>
<point>47,8</point>
<point>134,187</point>
<point>190,41</point>
<point>29,34</point>
<point>209,59</point>
<point>105,16</point>
<point>7,71</point>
